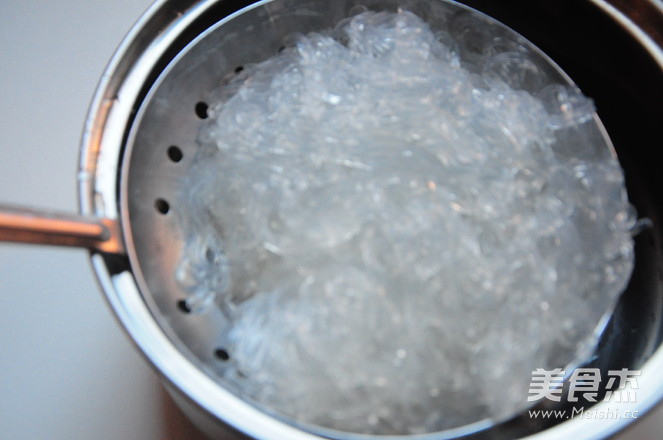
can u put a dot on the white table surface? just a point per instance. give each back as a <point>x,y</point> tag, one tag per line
<point>67,370</point>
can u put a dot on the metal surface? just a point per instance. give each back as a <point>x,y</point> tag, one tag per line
<point>643,19</point>
<point>191,78</point>
<point>168,119</point>
<point>127,175</point>
<point>20,225</point>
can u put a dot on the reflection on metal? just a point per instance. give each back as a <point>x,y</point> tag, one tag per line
<point>20,225</point>
<point>641,18</point>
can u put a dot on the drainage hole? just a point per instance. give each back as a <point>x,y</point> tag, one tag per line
<point>222,354</point>
<point>162,206</point>
<point>175,153</point>
<point>201,110</point>
<point>182,305</point>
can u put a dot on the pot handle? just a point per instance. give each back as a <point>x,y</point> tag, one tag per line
<point>25,225</point>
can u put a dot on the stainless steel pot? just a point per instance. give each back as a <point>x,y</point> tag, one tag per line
<point>139,140</point>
